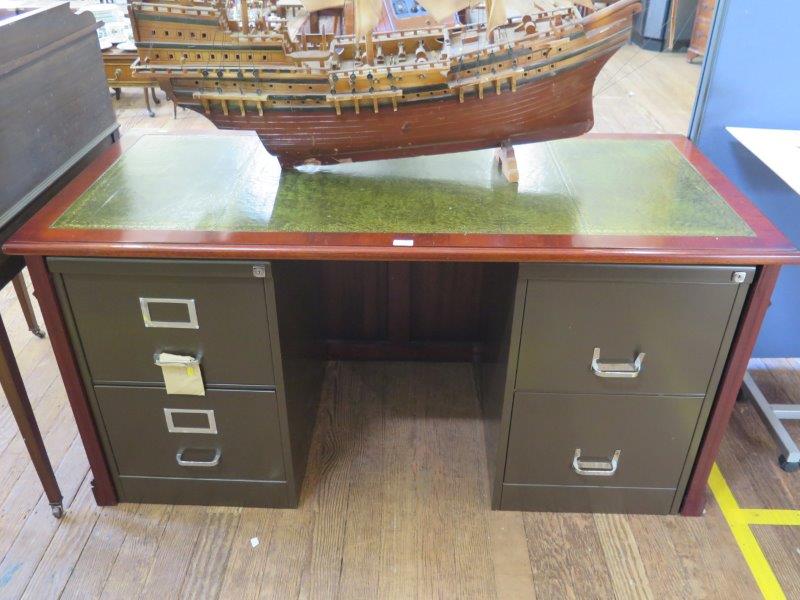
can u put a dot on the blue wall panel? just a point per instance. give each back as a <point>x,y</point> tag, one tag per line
<point>751,78</point>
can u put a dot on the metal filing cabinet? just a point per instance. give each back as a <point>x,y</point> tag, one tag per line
<point>233,445</point>
<point>613,376</point>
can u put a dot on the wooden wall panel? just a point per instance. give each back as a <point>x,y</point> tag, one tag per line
<point>401,310</point>
<point>355,303</point>
<point>445,301</point>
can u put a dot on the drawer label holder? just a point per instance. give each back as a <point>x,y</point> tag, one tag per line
<point>169,417</point>
<point>191,311</point>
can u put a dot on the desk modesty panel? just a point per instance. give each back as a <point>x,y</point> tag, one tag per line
<point>609,300</point>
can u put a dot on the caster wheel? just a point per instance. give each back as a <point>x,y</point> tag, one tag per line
<point>57,510</point>
<point>789,467</point>
<point>38,332</point>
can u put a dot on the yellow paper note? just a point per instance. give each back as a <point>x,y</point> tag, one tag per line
<point>182,374</point>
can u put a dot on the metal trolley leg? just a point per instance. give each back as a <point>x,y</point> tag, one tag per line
<point>773,416</point>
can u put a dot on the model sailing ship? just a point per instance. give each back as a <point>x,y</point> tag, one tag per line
<point>319,97</point>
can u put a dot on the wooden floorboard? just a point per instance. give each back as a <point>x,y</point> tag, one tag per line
<point>396,500</point>
<point>170,561</point>
<point>781,546</point>
<point>210,556</point>
<point>143,530</point>
<point>660,559</point>
<point>622,556</point>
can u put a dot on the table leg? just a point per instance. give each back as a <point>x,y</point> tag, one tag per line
<point>153,94</point>
<point>147,102</point>
<point>742,347</point>
<point>44,286</point>
<point>20,405</point>
<point>27,307</point>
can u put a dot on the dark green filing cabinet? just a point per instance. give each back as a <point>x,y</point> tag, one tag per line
<point>608,383</point>
<point>245,441</point>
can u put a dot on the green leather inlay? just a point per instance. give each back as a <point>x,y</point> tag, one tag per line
<point>579,186</point>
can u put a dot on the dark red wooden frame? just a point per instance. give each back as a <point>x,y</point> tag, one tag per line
<point>767,249</point>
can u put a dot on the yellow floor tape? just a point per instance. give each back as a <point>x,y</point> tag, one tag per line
<point>770,516</point>
<point>740,521</point>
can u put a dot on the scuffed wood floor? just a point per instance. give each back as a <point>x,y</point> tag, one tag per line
<point>396,500</point>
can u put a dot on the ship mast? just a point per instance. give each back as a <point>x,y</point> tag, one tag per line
<point>245,16</point>
<point>370,49</point>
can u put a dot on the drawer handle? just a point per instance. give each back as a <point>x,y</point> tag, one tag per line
<point>616,370</point>
<point>169,416</point>
<point>145,303</point>
<point>185,361</point>
<point>593,467</point>
<point>199,463</point>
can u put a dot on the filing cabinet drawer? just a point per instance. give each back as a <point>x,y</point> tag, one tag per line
<point>222,435</point>
<point>606,441</point>
<point>216,312</point>
<point>624,329</point>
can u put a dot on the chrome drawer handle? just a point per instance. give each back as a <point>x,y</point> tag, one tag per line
<point>187,361</point>
<point>145,303</point>
<point>616,370</point>
<point>199,463</point>
<point>594,467</point>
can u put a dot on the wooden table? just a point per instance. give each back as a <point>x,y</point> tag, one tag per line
<point>117,65</point>
<point>56,109</point>
<point>423,258</point>
<point>778,149</point>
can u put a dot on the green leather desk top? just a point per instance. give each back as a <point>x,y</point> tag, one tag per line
<point>588,186</point>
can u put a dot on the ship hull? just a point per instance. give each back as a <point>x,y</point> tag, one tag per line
<point>551,107</point>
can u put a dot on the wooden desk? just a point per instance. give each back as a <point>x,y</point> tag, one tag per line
<point>627,245</point>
